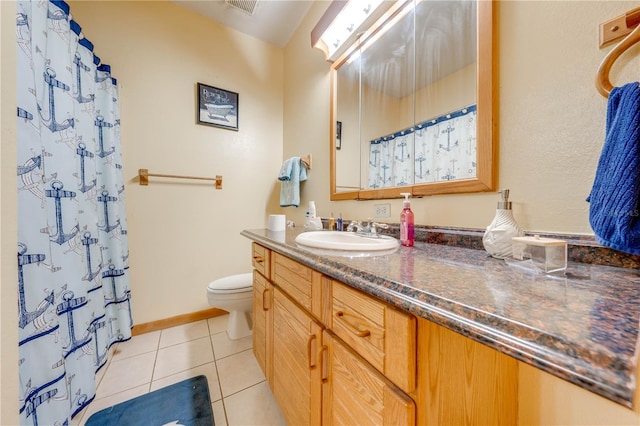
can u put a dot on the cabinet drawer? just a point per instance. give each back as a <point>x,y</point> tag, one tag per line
<point>260,259</point>
<point>381,334</point>
<point>301,283</point>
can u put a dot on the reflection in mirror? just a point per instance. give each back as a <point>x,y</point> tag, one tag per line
<point>387,112</point>
<point>347,158</point>
<point>446,32</point>
<point>407,97</point>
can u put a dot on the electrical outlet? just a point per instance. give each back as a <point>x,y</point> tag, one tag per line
<point>382,210</point>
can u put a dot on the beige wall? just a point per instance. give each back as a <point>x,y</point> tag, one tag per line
<point>183,234</point>
<point>551,120</point>
<point>306,115</point>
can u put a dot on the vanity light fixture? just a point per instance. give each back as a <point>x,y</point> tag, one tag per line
<point>342,22</point>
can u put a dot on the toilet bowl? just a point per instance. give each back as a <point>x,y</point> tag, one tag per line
<point>234,294</point>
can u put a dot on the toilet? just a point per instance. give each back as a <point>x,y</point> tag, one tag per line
<point>234,294</point>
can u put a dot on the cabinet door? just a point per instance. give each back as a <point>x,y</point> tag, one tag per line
<point>354,393</point>
<point>262,323</point>
<point>461,381</point>
<point>296,371</point>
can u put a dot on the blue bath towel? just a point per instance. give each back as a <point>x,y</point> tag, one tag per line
<point>292,172</point>
<point>614,210</point>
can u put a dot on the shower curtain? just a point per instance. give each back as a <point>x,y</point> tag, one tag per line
<point>391,160</point>
<point>439,149</point>
<point>73,273</point>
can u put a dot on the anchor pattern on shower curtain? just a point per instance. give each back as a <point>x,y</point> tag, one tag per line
<point>437,150</point>
<point>73,272</point>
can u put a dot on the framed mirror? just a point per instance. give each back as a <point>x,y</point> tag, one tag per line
<point>414,101</point>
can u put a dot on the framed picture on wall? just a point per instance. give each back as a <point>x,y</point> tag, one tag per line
<point>217,107</point>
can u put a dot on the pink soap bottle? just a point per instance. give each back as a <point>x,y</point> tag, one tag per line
<point>406,222</point>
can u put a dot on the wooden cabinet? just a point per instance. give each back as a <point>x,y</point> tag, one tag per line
<point>303,304</point>
<point>354,393</point>
<point>334,355</point>
<point>297,340</point>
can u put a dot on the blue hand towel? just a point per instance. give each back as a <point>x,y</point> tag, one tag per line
<point>291,174</point>
<point>614,211</point>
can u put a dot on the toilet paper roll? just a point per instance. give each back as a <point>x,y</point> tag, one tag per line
<point>277,222</point>
<point>279,236</point>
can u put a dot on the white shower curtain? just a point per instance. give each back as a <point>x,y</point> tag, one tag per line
<point>446,147</point>
<point>391,160</point>
<point>73,273</point>
<point>439,149</point>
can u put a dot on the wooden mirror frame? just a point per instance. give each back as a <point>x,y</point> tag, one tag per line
<point>486,135</point>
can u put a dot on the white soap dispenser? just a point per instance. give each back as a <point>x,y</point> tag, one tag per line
<point>312,222</point>
<point>497,238</point>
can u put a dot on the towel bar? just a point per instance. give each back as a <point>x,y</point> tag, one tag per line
<point>144,174</point>
<point>603,84</point>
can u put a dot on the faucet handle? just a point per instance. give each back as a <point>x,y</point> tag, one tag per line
<point>354,225</point>
<point>380,225</point>
<point>374,226</point>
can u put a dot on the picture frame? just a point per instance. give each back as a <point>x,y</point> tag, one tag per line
<point>338,134</point>
<point>217,107</point>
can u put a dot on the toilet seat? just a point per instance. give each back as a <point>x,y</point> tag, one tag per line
<point>240,283</point>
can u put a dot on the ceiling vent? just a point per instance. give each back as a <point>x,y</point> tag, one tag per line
<point>247,6</point>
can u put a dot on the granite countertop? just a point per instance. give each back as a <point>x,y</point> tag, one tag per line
<point>582,326</point>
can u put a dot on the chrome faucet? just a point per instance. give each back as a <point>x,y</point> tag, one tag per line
<point>368,230</point>
<point>355,226</point>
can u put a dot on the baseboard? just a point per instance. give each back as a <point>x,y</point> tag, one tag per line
<point>148,327</point>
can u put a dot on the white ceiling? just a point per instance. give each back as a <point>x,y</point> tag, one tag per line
<point>274,21</point>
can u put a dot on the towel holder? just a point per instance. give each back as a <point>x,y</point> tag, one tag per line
<point>618,27</point>
<point>631,18</point>
<point>307,161</point>
<point>144,174</point>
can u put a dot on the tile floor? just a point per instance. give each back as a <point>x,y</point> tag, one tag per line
<point>239,393</point>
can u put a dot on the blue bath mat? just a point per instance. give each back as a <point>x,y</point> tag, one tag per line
<point>184,403</point>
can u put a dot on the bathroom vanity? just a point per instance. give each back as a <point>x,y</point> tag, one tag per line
<point>432,334</point>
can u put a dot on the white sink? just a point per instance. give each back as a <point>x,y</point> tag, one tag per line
<point>348,241</point>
